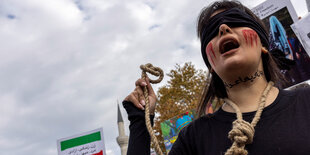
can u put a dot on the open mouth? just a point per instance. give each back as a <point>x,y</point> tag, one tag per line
<point>228,45</point>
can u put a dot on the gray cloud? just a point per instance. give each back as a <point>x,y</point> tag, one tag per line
<point>65,63</point>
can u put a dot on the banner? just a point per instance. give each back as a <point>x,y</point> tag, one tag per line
<point>88,143</point>
<point>278,16</point>
<point>170,128</point>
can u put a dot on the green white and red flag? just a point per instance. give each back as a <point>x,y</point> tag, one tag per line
<point>88,143</point>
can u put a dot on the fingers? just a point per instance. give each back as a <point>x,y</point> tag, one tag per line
<point>146,82</point>
<point>141,83</point>
<point>137,96</point>
<point>149,87</point>
<point>140,96</point>
<point>134,98</point>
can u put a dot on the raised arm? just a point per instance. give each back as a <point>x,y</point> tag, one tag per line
<point>139,138</point>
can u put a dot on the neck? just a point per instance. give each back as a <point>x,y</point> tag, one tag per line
<point>247,93</point>
<point>246,80</point>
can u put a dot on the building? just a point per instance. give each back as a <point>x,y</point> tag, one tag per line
<point>122,139</point>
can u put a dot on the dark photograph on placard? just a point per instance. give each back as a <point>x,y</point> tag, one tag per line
<point>292,58</point>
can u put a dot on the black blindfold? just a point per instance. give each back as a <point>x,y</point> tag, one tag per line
<point>233,18</point>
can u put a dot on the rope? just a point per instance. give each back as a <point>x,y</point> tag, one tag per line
<point>156,71</point>
<point>242,132</point>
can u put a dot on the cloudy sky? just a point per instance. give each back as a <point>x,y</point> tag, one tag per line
<point>65,63</point>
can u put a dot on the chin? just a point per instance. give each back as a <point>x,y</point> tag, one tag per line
<point>234,63</point>
<point>240,67</point>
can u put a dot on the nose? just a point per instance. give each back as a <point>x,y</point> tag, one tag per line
<point>223,29</point>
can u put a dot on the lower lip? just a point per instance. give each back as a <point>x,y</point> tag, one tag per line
<point>230,52</point>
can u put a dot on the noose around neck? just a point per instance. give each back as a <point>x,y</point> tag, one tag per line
<point>156,71</point>
<point>242,132</point>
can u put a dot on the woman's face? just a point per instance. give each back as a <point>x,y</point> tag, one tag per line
<point>234,51</point>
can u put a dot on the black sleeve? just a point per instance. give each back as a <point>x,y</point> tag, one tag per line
<point>139,138</point>
<point>183,144</point>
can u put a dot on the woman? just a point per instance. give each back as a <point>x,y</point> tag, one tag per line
<point>234,47</point>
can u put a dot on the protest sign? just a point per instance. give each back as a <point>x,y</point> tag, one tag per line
<point>302,31</point>
<point>170,128</point>
<point>88,143</point>
<point>269,7</point>
<point>278,16</point>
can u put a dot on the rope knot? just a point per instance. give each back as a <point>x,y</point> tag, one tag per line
<point>156,71</point>
<point>236,151</point>
<point>242,132</point>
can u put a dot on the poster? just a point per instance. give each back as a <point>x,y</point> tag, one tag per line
<point>170,128</point>
<point>302,31</point>
<point>278,16</point>
<point>88,143</point>
<point>269,7</point>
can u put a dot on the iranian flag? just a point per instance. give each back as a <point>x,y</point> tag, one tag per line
<point>89,143</point>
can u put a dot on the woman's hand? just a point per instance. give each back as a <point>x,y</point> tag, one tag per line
<point>137,97</point>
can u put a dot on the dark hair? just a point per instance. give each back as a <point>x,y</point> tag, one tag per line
<point>216,88</point>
